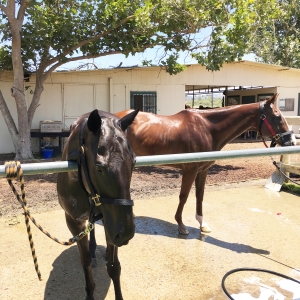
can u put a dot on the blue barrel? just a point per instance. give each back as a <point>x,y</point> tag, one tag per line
<point>47,153</point>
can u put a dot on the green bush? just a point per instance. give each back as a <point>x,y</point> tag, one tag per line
<point>291,187</point>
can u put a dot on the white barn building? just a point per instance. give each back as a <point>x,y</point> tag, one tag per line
<point>69,94</point>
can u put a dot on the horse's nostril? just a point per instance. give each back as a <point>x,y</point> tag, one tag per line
<point>118,240</point>
<point>123,237</point>
<point>118,237</point>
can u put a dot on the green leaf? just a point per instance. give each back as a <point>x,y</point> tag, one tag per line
<point>212,31</point>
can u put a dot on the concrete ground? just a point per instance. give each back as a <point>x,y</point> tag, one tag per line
<point>252,227</point>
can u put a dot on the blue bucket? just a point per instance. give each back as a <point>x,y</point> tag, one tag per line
<point>47,153</point>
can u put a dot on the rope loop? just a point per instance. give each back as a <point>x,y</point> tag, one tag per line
<point>14,171</point>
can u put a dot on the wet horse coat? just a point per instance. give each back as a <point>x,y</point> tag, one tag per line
<point>101,187</point>
<point>193,130</point>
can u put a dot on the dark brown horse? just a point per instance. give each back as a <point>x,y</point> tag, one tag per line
<point>100,188</point>
<point>193,130</point>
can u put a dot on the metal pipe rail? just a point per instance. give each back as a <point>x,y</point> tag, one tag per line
<point>68,166</point>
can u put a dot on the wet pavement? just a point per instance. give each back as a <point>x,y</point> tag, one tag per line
<point>252,227</point>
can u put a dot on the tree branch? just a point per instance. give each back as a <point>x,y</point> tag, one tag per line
<point>84,42</point>
<point>55,66</point>
<point>22,9</point>
<point>51,69</point>
<point>7,117</point>
<point>3,8</point>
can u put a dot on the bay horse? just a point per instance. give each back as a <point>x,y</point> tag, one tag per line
<point>194,130</point>
<point>100,188</point>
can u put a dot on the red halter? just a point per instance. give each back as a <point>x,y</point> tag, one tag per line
<point>276,136</point>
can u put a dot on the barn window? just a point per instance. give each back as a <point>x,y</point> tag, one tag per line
<point>262,97</point>
<point>233,100</point>
<point>286,104</point>
<point>144,101</point>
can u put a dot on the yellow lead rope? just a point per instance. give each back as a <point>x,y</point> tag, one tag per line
<point>13,170</point>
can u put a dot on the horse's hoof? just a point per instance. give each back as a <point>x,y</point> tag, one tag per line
<point>183,231</point>
<point>94,262</point>
<point>205,228</point>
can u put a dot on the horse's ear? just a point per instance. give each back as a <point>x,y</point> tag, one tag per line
<point>94,121</point>
<point>126,121</point>
<point>272,99</point>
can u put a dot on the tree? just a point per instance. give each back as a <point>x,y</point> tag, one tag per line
<point>279,42</point>
<point>40,36</point>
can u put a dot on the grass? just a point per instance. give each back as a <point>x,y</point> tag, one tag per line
<point>291,187</point>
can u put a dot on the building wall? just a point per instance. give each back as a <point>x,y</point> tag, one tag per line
<point>67,95</point>
<point>243,74</point>
<point>289,92</point>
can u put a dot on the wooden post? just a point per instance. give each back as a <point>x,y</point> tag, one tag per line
<point>286,165</point>
<point>285,160</point>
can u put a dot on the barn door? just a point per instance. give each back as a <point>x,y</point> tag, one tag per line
<point>78,99</point>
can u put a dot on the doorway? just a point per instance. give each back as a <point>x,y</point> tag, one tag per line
<point>248,99</point>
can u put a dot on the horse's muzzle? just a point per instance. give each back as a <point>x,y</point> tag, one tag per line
<point>289,143</point>
<point>285,139</point>
<point>123,237</point>
<point>289,140</point>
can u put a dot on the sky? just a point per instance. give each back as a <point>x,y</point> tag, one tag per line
<point>111,61</point>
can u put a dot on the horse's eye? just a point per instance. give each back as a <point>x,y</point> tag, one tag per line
<point>99,168</point>
<point>101,150</point>
<point>119,139</point>
<point>277,117</point>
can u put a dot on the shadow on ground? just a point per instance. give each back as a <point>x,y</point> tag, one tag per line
<point>66,280</point>
<point>154,226</point>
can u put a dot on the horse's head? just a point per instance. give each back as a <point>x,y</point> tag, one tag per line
<point>109,163</point>
<point>273,124</point>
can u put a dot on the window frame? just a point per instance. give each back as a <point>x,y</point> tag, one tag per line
<point>144,93</point>
<point>262,97</point>
<point>289,104</point>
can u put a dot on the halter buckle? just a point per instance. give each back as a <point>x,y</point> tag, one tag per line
<point>263,117</point>
<point>81,149</point>
<point>96,200</point>
<point>277,137</point>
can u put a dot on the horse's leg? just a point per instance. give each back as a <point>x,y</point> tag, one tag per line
<point>113,267</point>
<point>85,257</point>
<point>92,247</point>
<point>200,185</point>
<point>188,177</point>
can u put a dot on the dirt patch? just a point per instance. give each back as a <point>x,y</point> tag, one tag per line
<point>62,273</point>
<point>147,182</point>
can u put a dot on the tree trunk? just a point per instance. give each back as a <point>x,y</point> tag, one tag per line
<point>21,138</point>
<point>8,120</point>
<point>20,134</point>
<point>23,144</point>
<point>39,88</point>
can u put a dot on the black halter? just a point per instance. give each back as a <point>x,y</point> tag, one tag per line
<point>94,198</point>
<point>275,136</point>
